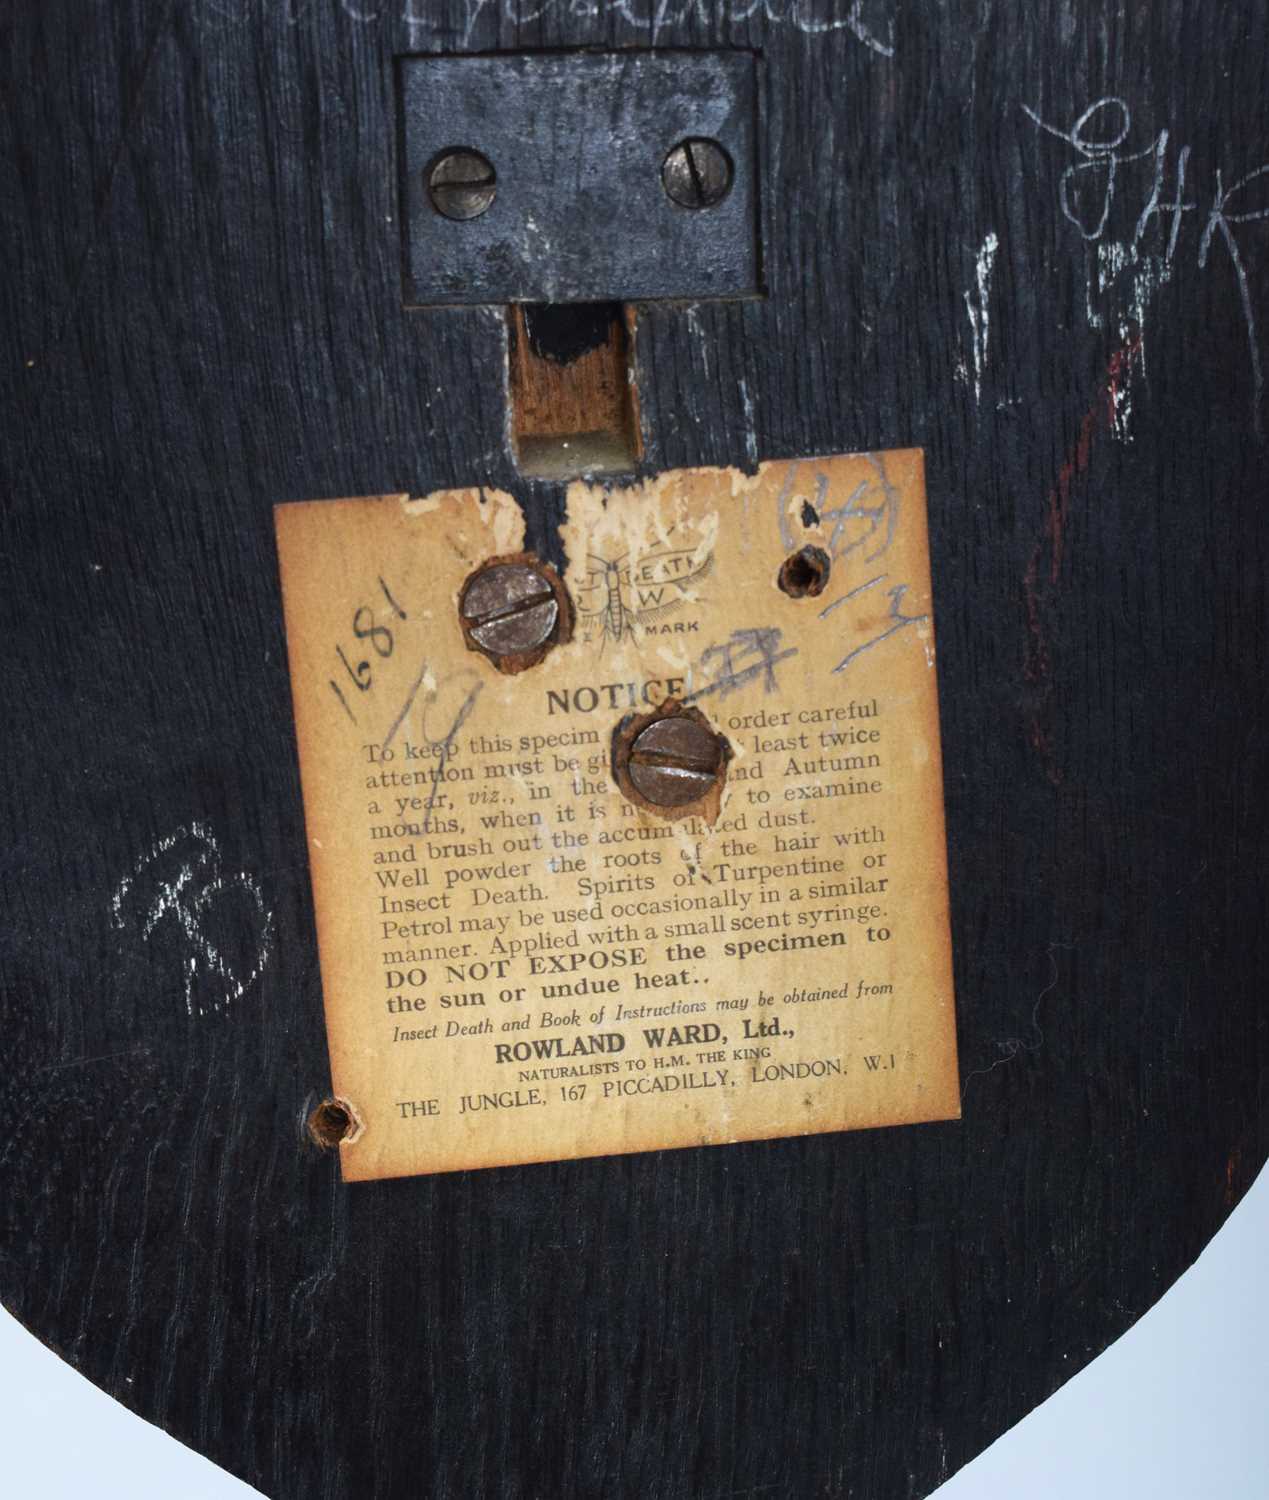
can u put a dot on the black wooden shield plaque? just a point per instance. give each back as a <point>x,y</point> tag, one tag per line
<point>1031,240</point>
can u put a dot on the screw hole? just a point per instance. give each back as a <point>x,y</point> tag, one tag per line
<point>330,1123</point>
<point>805,574</point>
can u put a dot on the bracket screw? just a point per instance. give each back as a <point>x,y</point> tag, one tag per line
<point>461,183</point>
<point>511,611</point>
<point>675,761</point>
<point>697,173</point>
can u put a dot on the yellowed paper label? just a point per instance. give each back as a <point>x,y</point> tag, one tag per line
<point>519,963</point>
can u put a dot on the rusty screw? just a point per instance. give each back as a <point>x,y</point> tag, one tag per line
<point>697,173</point>
<point>511,612</point>
<point>461,184</point>
<point>674,761</point>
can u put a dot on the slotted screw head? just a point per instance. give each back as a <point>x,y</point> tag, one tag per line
<point>509,609</point>
<point>462,183</point>
<point>675,760</point>
<point>697,173</point>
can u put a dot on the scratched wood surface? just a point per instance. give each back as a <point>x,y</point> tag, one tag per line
<point>200,316</point>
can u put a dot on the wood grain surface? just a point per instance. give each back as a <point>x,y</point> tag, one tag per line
<point>201,316</point>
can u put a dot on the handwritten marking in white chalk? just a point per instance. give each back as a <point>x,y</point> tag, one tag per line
<point>186,894</point>
<point>652,17</point>
<point>649,18</point>
<point>1099,136</point>
<point>979,311</point>
<point>693,319</point>
<point>751,436</point>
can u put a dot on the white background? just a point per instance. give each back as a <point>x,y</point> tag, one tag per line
<point>1176,1410</point>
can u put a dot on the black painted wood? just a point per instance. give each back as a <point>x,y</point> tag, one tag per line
<point>200,315</point>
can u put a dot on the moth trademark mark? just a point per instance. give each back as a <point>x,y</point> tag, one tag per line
<point>618,598</point>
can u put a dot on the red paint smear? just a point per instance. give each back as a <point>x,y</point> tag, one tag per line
<point>1100,417</point>
<point>1231,1175</point>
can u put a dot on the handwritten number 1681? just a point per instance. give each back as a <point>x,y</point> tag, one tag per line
<point>366,628</point>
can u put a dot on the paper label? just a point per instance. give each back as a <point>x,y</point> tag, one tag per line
<point>519,963</point>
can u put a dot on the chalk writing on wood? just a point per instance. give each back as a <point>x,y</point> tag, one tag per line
<point>1109,165</point>
<point>869,22</point>
<point>223,928</point>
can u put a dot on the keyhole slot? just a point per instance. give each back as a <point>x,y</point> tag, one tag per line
<point>574,401</point>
